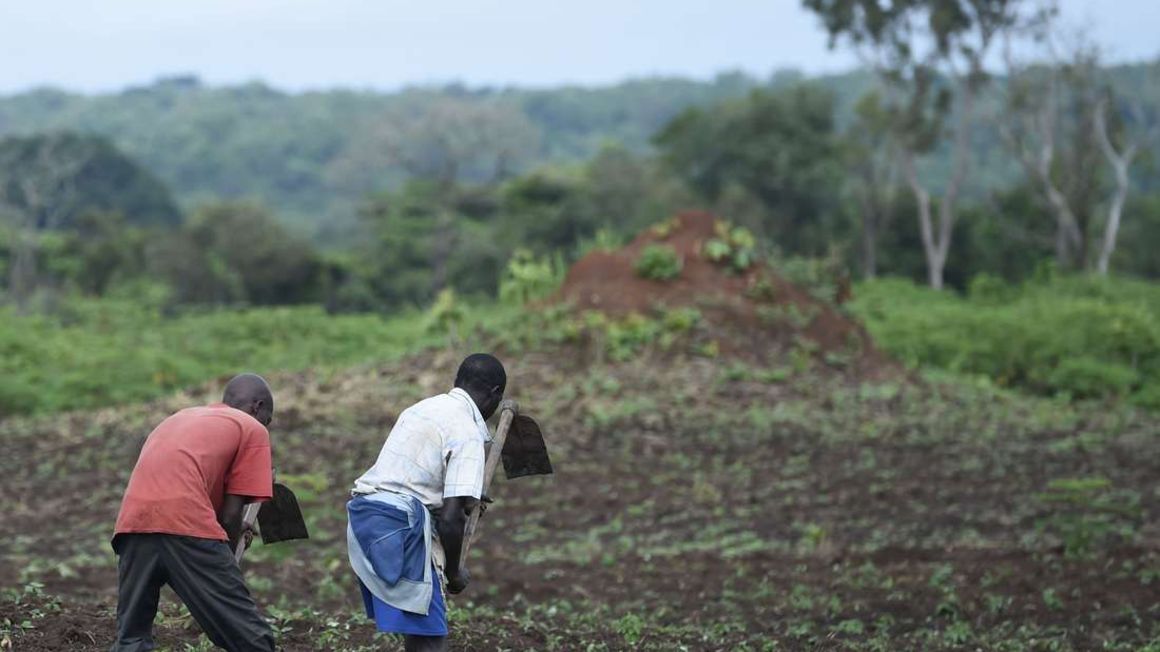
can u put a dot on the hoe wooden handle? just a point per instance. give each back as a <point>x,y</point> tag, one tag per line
<point>249,515</point>
<point>507,412</point>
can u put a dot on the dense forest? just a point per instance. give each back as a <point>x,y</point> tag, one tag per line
<point>313,157</point>
<point>364,190</point>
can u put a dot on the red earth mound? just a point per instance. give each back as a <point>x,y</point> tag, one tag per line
<point>756,314</point>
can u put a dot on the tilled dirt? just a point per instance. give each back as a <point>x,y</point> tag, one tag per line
<point>694,507</point>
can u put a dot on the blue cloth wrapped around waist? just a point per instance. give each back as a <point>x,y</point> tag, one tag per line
<point>393,540</point>
<point>389,545</point>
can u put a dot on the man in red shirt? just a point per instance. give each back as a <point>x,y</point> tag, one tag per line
<point>182,516</point>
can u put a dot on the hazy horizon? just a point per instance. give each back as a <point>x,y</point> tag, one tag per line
<point>361,45</point>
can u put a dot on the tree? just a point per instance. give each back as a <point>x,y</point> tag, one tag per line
<point>455,141</point>
<point>931,57</point>
<point>105,250</point>
<point>873,160</point>
<point>402,230</point>
<point>48,181</point>
<point>1138,128</point>
<point>447,142</point>
<point>625,192</point>
<point>236,252</point>
<point>397,250</point>
<point>1049,112</point>
<point>546,211</point>
<point>1063,118</point>
<point>37,192</point>
<point>52,179</point>
<point>778,147</point>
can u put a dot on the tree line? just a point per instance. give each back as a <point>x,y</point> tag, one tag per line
<point>983,141</point>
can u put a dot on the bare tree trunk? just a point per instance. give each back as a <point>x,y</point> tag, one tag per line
<point>1069,249</point>
<point>946,230</point>
<point>1112,228</point>
<point>937,245</point>
<point>1070,246</point>
<point>441,247</point>
<point>877,201</point>
<point>22,273</point>
<point>935,260</point>
<point>870,223</point>
<point>1120,162</point>
<point>1039,118</point>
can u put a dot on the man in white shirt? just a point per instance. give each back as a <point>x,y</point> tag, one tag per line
<point>432,462</point>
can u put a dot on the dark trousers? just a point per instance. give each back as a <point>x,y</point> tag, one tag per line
<point>203,574</point>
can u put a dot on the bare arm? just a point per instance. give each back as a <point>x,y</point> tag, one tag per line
<point>230,518</point>
<point>451,522</point>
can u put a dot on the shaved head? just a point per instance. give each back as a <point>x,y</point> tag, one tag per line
<point>251,394</point>
<point>483,377</point>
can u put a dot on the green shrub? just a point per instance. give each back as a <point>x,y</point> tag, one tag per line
<point>1086,377</point>
<point>659,263</point>
<point>681,320</point>
<point>528,278</point>
<point>1081,337</point>
<point>1148,396</point>
<point>446,314</point>
<point>990,288</point>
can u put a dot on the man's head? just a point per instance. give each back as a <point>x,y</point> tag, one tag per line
<point>251,394</point>
<point>483,377</point>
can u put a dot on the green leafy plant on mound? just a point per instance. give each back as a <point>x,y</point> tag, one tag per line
<point>659,263</point>
<point>665,229</point>
<point>733,246</point>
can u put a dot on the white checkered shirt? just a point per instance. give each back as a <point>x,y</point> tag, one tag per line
<point>435,451</point>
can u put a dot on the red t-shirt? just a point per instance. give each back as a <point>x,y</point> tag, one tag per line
<point>187,466</point>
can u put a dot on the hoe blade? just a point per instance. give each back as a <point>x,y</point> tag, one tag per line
<point>281,519</point>
<point>524,451</point>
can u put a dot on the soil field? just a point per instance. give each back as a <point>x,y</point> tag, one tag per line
<point>699,504</point>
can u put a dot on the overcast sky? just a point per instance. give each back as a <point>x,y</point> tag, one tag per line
<point>90,45</point>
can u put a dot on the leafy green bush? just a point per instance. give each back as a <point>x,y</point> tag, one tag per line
<point>446,314</point>
<point>659,263</point>
<point>1086,376</point>
<point>1078,336</point>
<point>528,278</point>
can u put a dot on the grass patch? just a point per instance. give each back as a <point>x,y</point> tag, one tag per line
<point>95,353</point>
